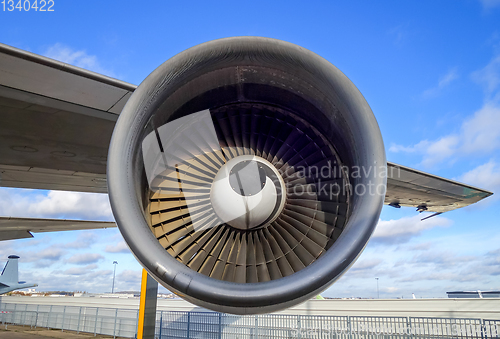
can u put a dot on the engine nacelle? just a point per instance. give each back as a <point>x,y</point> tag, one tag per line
<point>245,174</point>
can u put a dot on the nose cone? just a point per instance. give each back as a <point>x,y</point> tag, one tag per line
<point>244,194</point>
<point>247,178</point>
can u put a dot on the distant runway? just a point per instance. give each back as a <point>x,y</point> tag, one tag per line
<point>486,308</point>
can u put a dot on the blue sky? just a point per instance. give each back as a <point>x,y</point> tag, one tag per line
<point>430,70</point>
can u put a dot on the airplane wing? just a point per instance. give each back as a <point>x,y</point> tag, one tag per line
<point>426,192</point>
<point>18,228</point>
<point>56,122</point>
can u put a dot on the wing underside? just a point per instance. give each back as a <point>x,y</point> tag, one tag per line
<point>56,122</point>
<point>18,228</point>
<point>426,192</point>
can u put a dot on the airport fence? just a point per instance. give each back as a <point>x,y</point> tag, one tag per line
<point>122,323</point>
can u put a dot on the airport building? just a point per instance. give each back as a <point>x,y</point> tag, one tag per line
<point>474,294</point>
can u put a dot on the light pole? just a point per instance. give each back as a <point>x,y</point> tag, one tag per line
<point>114,273</point>
<point>378,294</point>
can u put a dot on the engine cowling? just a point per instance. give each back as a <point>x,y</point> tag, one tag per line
<point>246,174</point>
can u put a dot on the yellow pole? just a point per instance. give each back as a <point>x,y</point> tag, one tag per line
<point>142,305</point>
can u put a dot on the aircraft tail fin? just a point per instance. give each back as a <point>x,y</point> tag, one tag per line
<point>10,272</point>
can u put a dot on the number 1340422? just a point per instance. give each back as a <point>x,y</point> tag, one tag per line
<point>27,5</point>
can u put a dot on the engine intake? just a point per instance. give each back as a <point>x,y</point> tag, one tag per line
<point>229,174</point>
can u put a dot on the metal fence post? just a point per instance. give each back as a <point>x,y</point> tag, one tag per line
<point>220,325</point>
<point>299,327</point>
<point>36,319</point>
<point>256,326</point>
<point>64,316</point>
<point>114,329</point>
<point>321,321</point>
<point>349,327</point>
<point>79,318</point>
<point>95,323</point>
<point>23,321</point>
<point>48,317</point>
<point>136,323</point>
<point>84,320</point>
<point>188,323</point>
<point>161,321</point>
<point>15,313</point>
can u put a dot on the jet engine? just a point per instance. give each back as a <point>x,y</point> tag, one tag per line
<point>246,174</point>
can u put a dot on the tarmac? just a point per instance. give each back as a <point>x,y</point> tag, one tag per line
<point>27,332</point>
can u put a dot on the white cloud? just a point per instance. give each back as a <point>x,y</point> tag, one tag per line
<point>479,135</point>
<point>395,148</point>
<point>421,247</point>
<point>84,240</point>
<point>121,247</point>
<point>487,176</point>
<point>489,76</point>
<point>428,269</point>
<point>81,278</point>
<point>56,204</point>
<point>433,275</point>
<point>85,258</point>
<point>402,230</point>
<point>6,249</point>
<point>484,175</point>
<point>80,270</point>
<point>448,265</point>
<point>392,289</point>
<point>50,254</point>
<point>366,264</point>
<point>129,280</point>
<point>84,205</point>
<point>400,33</point>
<point>487,4</point>
<point>78,58</point>
<point>493,261</point>
<point>364,268</point>
<point>42,258</point>
<point>441,258</point>
<point>443,82</point>
<point>443,147</point>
